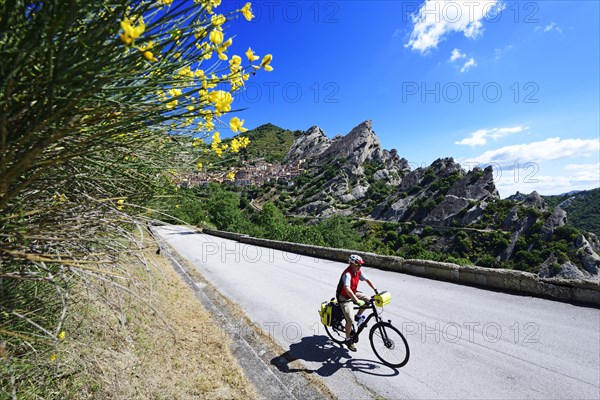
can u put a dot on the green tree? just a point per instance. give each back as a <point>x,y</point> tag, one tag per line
<point>272,222</point>
<point>184,207</point>
<point>338,232</point>
<point>463,245</point>
<point>308,234</point>
<point>223,208</point>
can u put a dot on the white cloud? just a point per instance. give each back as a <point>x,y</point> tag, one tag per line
<point>547,150</point>
<point>499,52</point>
<point>552,27</point>
<point>508,182</point>
<point>468,65</point>
<point>527,178</point>
<point>580,167</point>
<point>480,137</point>
<point>456,54</point>
<point>438,18</point>
<point>585,172</point>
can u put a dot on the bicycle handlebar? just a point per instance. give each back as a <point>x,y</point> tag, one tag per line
<point>370,301</point>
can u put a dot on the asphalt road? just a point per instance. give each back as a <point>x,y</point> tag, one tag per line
<point>465,343</point>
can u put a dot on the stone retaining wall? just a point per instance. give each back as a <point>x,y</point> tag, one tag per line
<point>586,292</point>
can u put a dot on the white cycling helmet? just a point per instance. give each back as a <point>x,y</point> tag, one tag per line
<point>354,259</point>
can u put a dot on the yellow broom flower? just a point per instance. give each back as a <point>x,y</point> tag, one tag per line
<point>251,56</point>
<point>130,32</point>
<point>266,61</point>
<point>247,12</point>
<point>236,125</point>
<point>216,37</point>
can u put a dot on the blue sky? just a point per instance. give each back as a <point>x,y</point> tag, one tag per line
<point>510,84</point>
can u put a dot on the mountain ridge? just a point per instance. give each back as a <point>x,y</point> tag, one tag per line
<point>438,209</point>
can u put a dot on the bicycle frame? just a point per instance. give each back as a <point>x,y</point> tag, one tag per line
<point>374,313</point>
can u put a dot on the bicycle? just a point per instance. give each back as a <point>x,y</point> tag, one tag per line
<point>387,342</point>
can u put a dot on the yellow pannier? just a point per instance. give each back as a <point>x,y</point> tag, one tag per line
<point>326,312</point>
<point>382,298</point>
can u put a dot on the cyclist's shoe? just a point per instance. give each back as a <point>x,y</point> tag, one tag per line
<point>360,319</point>
<point>350,344</point>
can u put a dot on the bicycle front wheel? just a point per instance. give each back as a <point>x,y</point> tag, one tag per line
<point>389,345</point>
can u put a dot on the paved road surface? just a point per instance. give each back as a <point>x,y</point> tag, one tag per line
<point>466,343</point>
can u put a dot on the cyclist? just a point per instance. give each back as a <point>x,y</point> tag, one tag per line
<point>347,294</point>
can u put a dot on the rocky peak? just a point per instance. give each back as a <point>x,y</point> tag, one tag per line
<point>445,166</point>
<point>589,258</point>
<point>393,162</point>
<point>536,201</point>
<point>309,145</point>
<point>518,197</point>
<point>558,218</point>
<point>358,146</point>
<point>478,184</point>
<point>553,267</point>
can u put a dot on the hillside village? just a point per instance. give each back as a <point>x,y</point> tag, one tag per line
<point>259,173</point>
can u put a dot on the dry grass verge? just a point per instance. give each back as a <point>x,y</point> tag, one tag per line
<point>147,345</point>
<point>303,384</point>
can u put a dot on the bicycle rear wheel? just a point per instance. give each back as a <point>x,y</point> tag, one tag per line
<point>337,333</point>
<point>389,345</point>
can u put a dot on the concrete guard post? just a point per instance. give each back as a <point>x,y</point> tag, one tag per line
<point>576,291</point>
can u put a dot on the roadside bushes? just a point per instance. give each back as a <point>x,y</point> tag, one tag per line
<point>104,106</point>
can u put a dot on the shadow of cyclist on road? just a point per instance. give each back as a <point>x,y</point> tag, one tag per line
<point>319,349</point>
